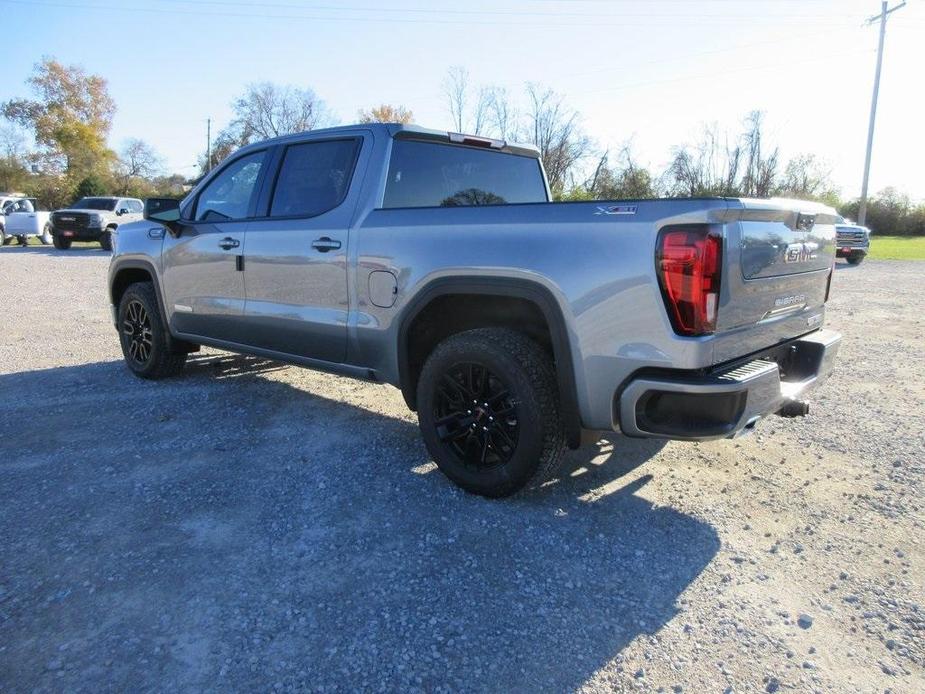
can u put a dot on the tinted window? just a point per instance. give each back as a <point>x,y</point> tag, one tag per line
<point>314,178</point>
<point>103,204</point>
<point>229,194</point>
<point>424,174</point>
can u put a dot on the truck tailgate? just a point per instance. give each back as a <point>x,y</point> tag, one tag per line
<point>779,257</point>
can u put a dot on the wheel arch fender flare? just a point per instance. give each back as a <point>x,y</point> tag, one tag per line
<point>508,287</point>
<point>137,264</point>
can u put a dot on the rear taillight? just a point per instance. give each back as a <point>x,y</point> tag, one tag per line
<point>689,264</point>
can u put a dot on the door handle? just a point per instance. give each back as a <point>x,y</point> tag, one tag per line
<point>325,244</point>
<point>228,243</point>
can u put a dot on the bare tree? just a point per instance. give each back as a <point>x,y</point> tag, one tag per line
<point>628,180</point>
<point>12,143</point>
<point>482,117</point>
<point>555,130</point>
<point>456,88</point>
<point>137,160</point>
<point>386,113</point>
<point>501,117</point>
<point>268,110</point>
<point>709,167</point>
<point>760,169</point>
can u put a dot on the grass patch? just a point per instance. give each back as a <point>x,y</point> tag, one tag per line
<point>897,247</point>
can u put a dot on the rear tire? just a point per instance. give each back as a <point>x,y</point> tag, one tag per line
<point>855,259</point>
<point>143,335</point>
<point>61,243</point>
<point>106,240</point>
<point>46,237</point>
<point>5,239</point>
<point>489,413</point>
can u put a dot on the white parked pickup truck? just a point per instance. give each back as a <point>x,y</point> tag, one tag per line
<point>20,220</point>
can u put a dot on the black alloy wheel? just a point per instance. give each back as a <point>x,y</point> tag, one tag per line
<point>136,327</point>
<point>146,344</point>
<point>476,416</point>
<point>487,403</point>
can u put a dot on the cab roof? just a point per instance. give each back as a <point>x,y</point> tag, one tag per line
<point>412,132</point>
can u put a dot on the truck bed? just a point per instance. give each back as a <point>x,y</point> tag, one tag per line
<point>597,261</point>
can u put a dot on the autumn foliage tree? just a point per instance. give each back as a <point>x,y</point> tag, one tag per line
<point>70,116</point>
<point>386,113</point>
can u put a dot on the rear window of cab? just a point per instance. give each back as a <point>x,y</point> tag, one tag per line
<point>428,174</point>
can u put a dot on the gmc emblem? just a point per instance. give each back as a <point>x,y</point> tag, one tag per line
<point>801,252</point>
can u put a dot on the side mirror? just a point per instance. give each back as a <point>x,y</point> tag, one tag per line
<point>164,211</point>
<point>122,210</point>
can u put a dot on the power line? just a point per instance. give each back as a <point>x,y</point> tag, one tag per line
<point>725,72</point>
<point>400,20</point>
<point>689,56</point>
<point>494,12</point>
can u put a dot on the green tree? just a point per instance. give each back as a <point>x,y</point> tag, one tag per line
<point>70,117</point>
<point>805,177</point>
<point>90,186</point>
<point>889,212</point>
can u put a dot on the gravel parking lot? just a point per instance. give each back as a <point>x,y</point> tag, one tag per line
<point>260,527</point>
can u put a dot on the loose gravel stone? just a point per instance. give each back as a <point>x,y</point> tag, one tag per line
<point>252,526</point>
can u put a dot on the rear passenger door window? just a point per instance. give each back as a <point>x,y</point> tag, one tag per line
<point>314,178</point>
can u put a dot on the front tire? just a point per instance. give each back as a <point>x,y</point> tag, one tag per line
<point>106,240</point>
<point>143,335</point>
<point>61,243</point>
<point>45,237</point>
<point>489,413</point>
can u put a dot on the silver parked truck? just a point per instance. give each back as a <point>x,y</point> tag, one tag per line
<point>516,327</point>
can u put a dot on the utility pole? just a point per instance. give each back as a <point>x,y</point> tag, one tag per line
<point>209,146</point>
<point>862,209</point>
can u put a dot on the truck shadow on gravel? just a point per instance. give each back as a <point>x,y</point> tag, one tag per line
<point>232,530</point>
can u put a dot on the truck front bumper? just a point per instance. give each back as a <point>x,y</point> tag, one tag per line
<point>77,234</point>
<point>727,401</point>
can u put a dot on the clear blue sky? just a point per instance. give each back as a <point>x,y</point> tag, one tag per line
<point>652,72</point>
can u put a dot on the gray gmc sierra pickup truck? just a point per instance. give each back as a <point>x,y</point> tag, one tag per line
<point>513,325</point>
